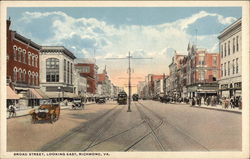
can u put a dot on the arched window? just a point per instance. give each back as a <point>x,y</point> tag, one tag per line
<point>15,74</point>
<point>52,70</point>
<point>33,78</point>
<point>19,54</point>
<point>32,59</point>
<point>14,52</point>
<point>20,75</point>
<point>29,78</point>
<point>36,61</point>
<point>24,75</point>
<point>24,56</point>
<point>29,54</point>
<point>37,79</point>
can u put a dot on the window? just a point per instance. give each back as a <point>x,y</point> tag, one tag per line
<point>32,59</point>
<point>33,78</point>
<point>225,50</point>
<point>202,75</point>
<point>221,70</point>
<point>64,75</point>
<point>201,60</point>
<point>228,48</point>
<point>214,60</point>
<point>24,75</point>
<point>237,43</point>
<point>228,67</point>
<point>15,74</point>
<point>68,72</point>
<point>15,52</point>
<point>36,60</point>
<point>19,77</point>
<point>52,70</point>
<point>29,54</point>
<point>237,65</point>
<point>20,55</point>
<point>221,53</point>
<point>233,45</point>
<point>233,66</point>
<point>86,69</point>
<point>37,79</point>
<point>29,78</point>
<point>71,73</point>
<point>24,56</point>
<point>225,69</point>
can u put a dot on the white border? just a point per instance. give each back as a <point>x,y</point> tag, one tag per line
<point>245,71</point>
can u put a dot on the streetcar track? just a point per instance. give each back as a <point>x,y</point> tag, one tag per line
<point>152,131</point>
<point>75,130</point>
<point>176,128</point>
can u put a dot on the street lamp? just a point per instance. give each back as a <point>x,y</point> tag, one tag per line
<point>59,88</point>
<point>199,86</point>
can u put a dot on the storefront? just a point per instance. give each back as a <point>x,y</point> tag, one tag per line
<point>12,97</point>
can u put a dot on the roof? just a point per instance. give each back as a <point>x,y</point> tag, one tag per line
<point>58,48</point>
<point>234,25</point>
<point>26,40</point>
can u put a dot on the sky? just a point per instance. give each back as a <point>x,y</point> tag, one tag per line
<point>110,32</point>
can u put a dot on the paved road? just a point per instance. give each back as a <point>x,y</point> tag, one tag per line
<point>151,126</point>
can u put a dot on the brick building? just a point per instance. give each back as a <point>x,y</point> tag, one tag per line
<point>88,69</point>
<point>202,71</point>
<point>23,67</point>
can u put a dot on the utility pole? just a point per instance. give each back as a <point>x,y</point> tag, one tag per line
<point>129,57</point>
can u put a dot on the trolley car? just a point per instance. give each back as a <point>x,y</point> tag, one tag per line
<point>135,97</point>
<point>122,98</point>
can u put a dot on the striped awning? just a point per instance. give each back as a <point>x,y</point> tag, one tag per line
<point>11,94</point>
<point>33,94</point>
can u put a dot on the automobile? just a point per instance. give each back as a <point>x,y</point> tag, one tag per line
<point>46,112</point>
<point>101,100</point>
<point>122,98</point>
<point>77,103</point>
<point>135,97</point>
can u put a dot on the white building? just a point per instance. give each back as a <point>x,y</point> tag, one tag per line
<point>230,55</point>
<point>56,72</point>
<point>80,84</point>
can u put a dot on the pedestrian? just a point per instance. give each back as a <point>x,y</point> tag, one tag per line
<point>12,110</point>
<point>232,100</point>
<point>226,103</point>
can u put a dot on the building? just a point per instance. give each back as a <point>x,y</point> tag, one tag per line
<point>88,69</point>
<point>80,84</point>
<point>104,84</point>
<point>174,75</point>
<point>56,67</point>
<point>230,53</point>
<point>202,72</point>
<point>23,68</point>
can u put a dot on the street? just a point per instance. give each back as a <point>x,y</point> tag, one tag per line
<point>151,126</point>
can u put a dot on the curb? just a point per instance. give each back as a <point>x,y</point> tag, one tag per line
<point>26,114</point>
<point>225,110</point>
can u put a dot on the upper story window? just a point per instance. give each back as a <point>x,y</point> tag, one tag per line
<point>225,49</point>
<point>221,51</point>
<point>233,66</point>
<point>214,75</point>
<point>71,73</point>
<point>86,69</point>
<point>228,67</point>
<point>64,70</point>
<point>237,43</point>
<point>32,59</point>
<point>15,53</point>
<point>20,75</point>
<point>15,74</point>
<point>29,77</point>
<point>202,75</point>
<point>68,72</point>
<point>24,56</point>
<point>29,54</point>
<point>233,45</point>
<point>225,69</point>
<point>36,61</point>
<point>201,60</point>
<point>228,48</point>
<point>19,55</point>
<point>214,60</point>
<point>237,65</point>
<point>52,70</point>
<point>24,75</point>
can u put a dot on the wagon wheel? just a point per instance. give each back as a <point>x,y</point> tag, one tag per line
<point>52,118</point>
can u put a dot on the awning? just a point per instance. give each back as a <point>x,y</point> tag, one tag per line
<point>11,94</point>
<point>33,94</point>
<point>60,95</point>
<point>42,93</point>
<point>69,95</point>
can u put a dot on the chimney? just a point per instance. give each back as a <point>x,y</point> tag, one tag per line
<point>8,24</point>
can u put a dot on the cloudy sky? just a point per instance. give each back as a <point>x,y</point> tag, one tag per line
<point>104,32</point>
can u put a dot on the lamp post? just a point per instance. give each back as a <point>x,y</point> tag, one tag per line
<point>59,89</point>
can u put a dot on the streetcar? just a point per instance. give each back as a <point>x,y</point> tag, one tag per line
<point>135,97</point>
<point>122,98</point>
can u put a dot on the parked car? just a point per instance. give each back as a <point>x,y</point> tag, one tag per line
<point>77,103</point>
<point>49,112</point>
<point>100,100</point>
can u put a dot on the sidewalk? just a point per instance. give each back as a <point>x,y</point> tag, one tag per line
<point>24,112</point>
<point>220,108</point>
